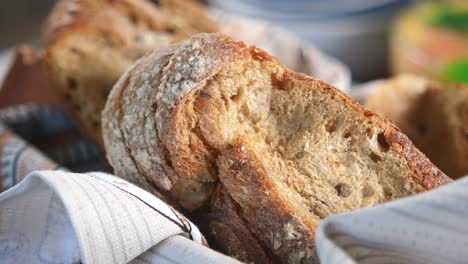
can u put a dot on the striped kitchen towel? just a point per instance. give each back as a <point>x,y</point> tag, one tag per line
<point>427,228</point>
<point>27,130</point>
<point>63,217</point>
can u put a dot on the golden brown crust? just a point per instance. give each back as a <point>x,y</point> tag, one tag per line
<point>286,232</point>
<point>424,172</point>
<point>238,241</point>
<point>214,54</point>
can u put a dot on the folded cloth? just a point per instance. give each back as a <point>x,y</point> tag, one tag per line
<point>18,158</point>
<point>51,130</point>
<point>63,217</point>
<point>427,228</point>
<point>55,216</point>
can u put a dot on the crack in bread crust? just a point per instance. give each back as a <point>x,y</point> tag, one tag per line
<point>285,230</point>
<point>227,219</point>
<point>130,163</point>
<point>122,162</point>
<point>146,147</point>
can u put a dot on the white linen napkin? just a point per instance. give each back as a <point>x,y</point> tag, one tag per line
<point>62,217</point>
<point>427,228</point>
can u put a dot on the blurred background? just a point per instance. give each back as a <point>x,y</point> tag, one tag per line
<point>363,34</point>
<point>20,20</point>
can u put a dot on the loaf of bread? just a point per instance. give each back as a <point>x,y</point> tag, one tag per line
<point>434,116</point>
<point>90,43</point>
<point>267,152</point>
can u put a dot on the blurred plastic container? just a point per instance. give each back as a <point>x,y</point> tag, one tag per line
<point>431,39</point>
<point>354,31</point>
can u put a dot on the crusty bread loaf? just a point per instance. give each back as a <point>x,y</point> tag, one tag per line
<point>270,152</point>
<point>90,43</point>
<point>434,116</point>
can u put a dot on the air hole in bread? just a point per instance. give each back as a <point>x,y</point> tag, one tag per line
<point>71,83</point>
<point>75,50</point>
<point>374,157</point>
<point>133,18</point>
<point>343,190</point>
<point>331,126</point>
<point>323,202</point>
<point>236,96</point>
<point>388,192</point>
<point>232,97</point>
<point>171,30</point>
<point>369,132</point>
<point>299,155</point>
<point>347,135</point>
<point>383,143</point>
<point>204,95</point>
<point>238,165</point>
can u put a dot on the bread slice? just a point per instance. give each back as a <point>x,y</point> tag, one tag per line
<point>285,149</point>
<point>90,43</point>
<point>434,116</point>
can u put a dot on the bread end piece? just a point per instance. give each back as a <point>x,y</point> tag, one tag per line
<point>434,116</point>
